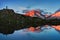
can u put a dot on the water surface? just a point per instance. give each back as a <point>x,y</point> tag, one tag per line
<point>45,33</point>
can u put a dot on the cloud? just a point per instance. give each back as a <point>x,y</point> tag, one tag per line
<point>22,8</point>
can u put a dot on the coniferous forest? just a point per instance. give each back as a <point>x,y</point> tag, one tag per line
<point>9,18</point>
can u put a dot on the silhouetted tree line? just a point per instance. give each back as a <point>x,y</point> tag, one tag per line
<point>10,21</point>
<point>9,18</point>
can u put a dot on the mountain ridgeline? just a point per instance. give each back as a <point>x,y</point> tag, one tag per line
<point>9,18</point>
<point>10,21</point>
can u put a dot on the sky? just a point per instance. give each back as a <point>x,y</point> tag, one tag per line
<point>19,5</point>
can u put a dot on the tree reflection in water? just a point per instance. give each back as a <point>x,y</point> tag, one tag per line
<point>29,28</point>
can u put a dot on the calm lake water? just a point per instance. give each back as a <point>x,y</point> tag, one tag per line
<point>45,33</point>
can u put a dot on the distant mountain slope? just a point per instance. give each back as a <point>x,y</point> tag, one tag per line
<point>34,13</point>
<point>55,15</point>
<point>9,18</point>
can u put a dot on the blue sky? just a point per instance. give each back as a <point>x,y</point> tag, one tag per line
<point>18,5</point>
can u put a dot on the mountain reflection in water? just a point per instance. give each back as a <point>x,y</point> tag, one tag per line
<point>32,33</point>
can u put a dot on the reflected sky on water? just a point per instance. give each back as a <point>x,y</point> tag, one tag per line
<point>45,33</point>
